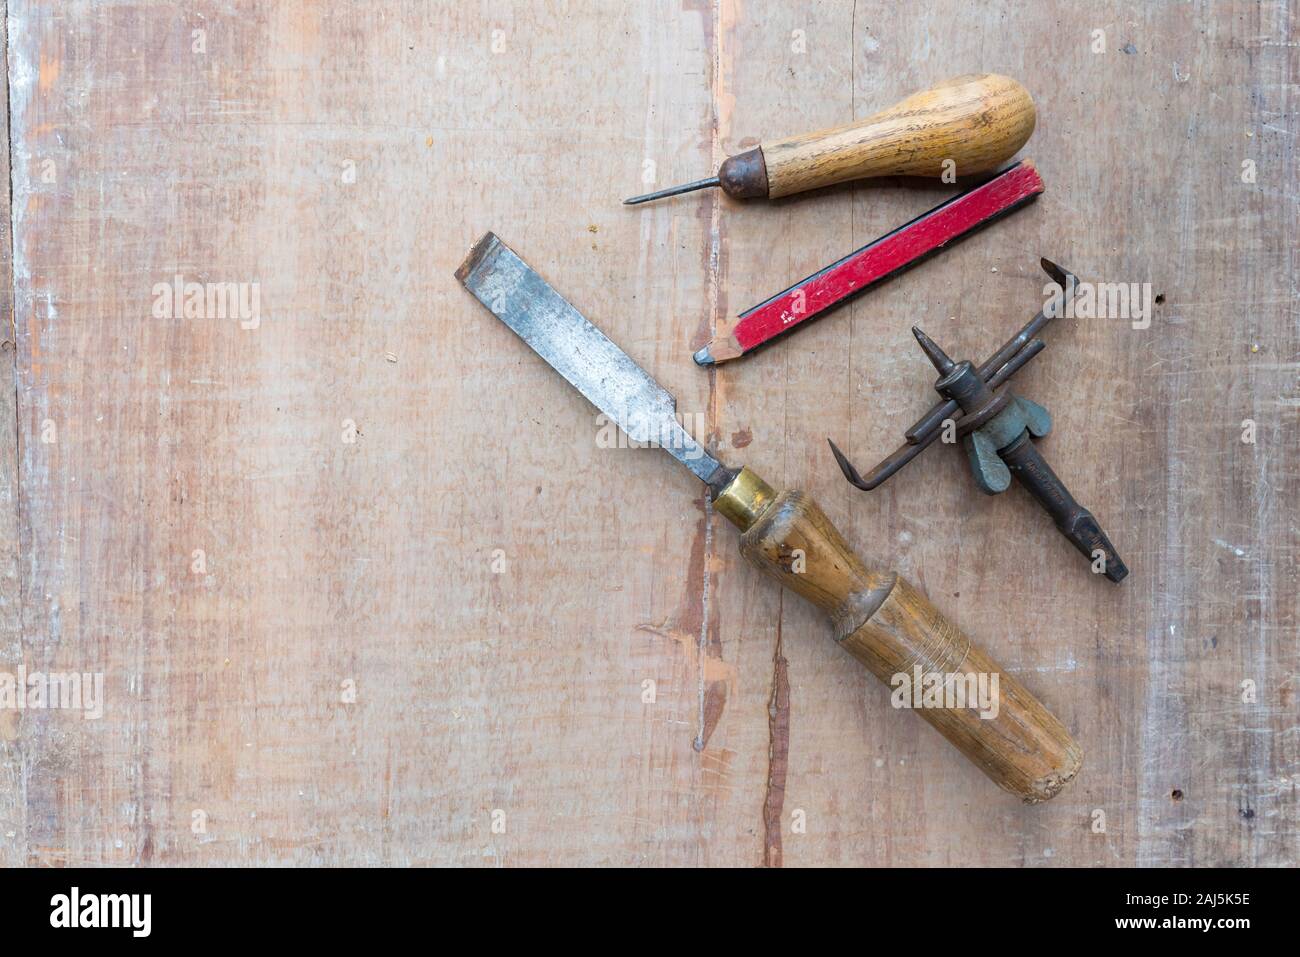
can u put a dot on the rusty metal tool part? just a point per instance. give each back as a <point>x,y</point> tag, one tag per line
<point>880,619</point>
<point>996,370</point>
<point>997,428</point>
<point>1068,283</point>
<point>910,450</point>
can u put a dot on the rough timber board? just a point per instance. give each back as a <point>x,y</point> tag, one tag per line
<point>350,467</point>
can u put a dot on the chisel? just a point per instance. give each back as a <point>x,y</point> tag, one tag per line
<point>878,617</point>
<point>967,125</point>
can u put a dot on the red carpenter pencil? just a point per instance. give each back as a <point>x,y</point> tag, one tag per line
<point>907,245</point>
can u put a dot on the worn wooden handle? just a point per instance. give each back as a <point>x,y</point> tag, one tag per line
<point>894,630</point>
<point>976,121</point>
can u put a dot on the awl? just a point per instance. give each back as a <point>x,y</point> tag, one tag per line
<point>967,125</point>
<point>878,617</point>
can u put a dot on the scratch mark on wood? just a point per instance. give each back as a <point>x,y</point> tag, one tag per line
<point>778,753</point>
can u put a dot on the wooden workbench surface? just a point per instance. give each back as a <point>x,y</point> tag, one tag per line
<point>364,585</point>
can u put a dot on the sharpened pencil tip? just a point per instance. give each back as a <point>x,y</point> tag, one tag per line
<point>704,357</point>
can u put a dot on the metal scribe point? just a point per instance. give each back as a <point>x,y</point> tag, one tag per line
<point>852,474</point>
<point>936,355</point>
<point>673,191</point>
<point>1059,275</point>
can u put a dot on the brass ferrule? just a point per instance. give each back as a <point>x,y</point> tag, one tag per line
<point>744,499</point>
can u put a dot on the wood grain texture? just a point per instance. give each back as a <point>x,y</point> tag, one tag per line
<point>12,805</point>
<point>548,673</point>
<point>975,122</point>
<point>885,623</point>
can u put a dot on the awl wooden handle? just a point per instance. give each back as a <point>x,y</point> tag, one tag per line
<point>893,629</point>
<point>976,121</point>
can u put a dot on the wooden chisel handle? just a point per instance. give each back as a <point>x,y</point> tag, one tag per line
<point>976,121</point>
<point>893,629</point>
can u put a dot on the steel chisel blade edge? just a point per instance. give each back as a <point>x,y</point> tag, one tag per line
<point>514,293</point>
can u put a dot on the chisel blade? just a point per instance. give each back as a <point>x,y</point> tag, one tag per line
<point>514,293</point>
